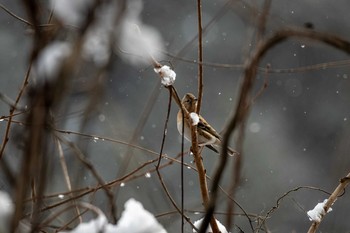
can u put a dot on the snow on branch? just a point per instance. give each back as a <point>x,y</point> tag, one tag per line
<point>166,74</point>
<point>318,212</point>
<point>221,227</point>
<point>194,118</point>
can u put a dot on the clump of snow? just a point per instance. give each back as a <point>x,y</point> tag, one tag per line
<point>71,12</point>
<point>6,212</point>
<point>50,59</point>
<point>97,42</point>
<point>94,226</point>
<point>96,47</point>
<point>137,41</point>
<point>318,212</point>
<point>195,118</point>
<point>198,224</point>
<point>134,219</point>
<point>167,75</point>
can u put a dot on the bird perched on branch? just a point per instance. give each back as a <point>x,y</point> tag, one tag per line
<point>207,135</point>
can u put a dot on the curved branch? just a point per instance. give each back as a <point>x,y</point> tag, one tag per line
<point>243,105</point>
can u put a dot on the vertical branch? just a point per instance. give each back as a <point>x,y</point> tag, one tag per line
<point>202,178</point>
<point>165,128</point>
<point>66,175</point>
<point>12,111</point>
<point>194,135</point>
<point>199,164</point>
<point>200,57</point>
<point>263,19</point>
<point>172,93</point>
<point>182,169</point>
<point>198,159</point>
<point>35,164</point>
<point>237,163</point>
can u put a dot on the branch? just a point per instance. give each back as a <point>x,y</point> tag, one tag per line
<point>243,105</point>
<point>12,112</point>
<point>331,200</point>
<point>200,57</point>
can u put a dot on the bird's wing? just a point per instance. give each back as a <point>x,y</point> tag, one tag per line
<point>212,148</point>
<point>203,125</point>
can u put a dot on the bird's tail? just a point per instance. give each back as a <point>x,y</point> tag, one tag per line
<point>230,151</point>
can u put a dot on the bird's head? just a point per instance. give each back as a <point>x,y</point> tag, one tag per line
<point>190,102</point>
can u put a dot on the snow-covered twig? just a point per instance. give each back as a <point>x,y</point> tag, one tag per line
<point>221,227</point>
<point>194,118</point>
<point>166,74</point>
<point>317,214</point>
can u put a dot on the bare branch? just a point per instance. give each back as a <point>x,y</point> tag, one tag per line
<point>331,200</point>
<point>243,105</point>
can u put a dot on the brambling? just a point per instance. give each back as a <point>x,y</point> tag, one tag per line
<point>207,135</point>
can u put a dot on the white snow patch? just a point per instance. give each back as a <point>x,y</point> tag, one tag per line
<point>137,41</point>
<point>6,212</point>
<point>94,226</point>
<point>195,118</point>
<point>96,46</point>
<point>71,12</point>
<point>97,43</point>
<point>318,212</point>
<point>221,227</point>
<point>134,219</point>
<point>134,42</point>
<point>50,59</point>
<point>167,75</point>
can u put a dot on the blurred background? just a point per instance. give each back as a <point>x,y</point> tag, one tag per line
<point>297,133</point>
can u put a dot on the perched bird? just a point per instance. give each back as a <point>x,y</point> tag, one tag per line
<point>207,135</point>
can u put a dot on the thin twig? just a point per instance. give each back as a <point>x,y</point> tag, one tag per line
<point>165,128</point>
<point>94,172</point>
<point>300,69</point>
<point>202,179</point>
<point>183,216</point>
<point>81,204</point>
<point>107,139</point>
<point>14,15</point>
<point>12,110</point>
<point>182,168</point>
<point>265,84</point>
<point>263,19</point>
<point>280,199</point>
<point>66,174</point>
<point>200,57</point>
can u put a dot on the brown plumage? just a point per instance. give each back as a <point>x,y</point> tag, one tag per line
<point>207,135</point>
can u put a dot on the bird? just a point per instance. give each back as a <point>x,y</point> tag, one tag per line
<point>207,135</point>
